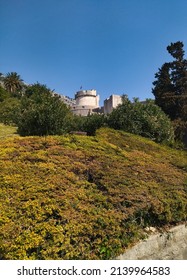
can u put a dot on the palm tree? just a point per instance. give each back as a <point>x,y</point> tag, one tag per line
<point>13,82</point>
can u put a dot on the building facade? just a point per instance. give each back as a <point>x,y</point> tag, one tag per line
<point>86,102</point>
<point>112,102</point>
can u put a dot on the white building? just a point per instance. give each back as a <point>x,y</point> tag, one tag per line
<point>112,102</point>
<point>87,101</point>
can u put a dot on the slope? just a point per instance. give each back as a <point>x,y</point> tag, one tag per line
<point>79,197</point>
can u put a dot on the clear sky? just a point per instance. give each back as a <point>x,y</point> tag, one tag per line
<point>113,46</point>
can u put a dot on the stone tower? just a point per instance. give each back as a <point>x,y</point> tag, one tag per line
<point>86,102</point>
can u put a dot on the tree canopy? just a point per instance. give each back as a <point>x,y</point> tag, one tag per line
<point>142,118</point>
<point>170,88</point>
<point>41,112</point>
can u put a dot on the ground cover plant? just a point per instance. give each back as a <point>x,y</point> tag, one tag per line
<point>81,197</point>
<point>7,131</point>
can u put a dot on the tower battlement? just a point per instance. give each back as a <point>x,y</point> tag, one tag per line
<point>86,102</point>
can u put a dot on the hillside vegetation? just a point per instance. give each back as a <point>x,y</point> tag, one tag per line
<point>80,197</point>
<point>7,131</point>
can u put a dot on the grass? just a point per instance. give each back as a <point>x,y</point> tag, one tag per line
<point>7,131</point>
<point>80,197</point>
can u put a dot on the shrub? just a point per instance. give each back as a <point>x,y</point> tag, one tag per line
<point>9,109</point>
<point>92,123</point>
<point>3,94</point>
<point>41,112</point>
<point>145,119</point>
<point>87,124</point>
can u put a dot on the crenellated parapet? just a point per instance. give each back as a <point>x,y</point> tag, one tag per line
<point>86,102</point>
<point>87,98</point>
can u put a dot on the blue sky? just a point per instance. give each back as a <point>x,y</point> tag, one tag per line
<point>113,46</point>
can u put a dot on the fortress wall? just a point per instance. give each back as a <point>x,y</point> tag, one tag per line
<point>86,101</point>
<point>82,110</point>
<point>87,98</point>
<point>116,100</point>
<point>112,102</point>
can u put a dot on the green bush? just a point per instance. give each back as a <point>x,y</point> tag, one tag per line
<point>3,94</point>
<point>9,109</point>
<point>87,124</point>
<point>92,123</point>
<point>41,112</point>
<point>145,119</point>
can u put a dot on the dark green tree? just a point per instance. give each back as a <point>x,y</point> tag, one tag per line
<point>36,90</point>
<point>3,94</point>
<point>74,123</point>
<point>42,112</point>
<point>164,91</point>
<point>170,88</point>
<point>93,122</point>
<point>145,119</point>
<point>9,110</point>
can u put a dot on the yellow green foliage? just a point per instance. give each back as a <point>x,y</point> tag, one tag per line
<point>80,197</point>
<point>7,131</point>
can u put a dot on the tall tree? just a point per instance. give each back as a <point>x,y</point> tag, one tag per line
<point>13,83</point>
<point>164,90</point>
<point>170,86</point>
<point>178,68</point>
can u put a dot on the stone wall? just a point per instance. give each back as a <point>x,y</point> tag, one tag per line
<point>87,98</point>
<point>170,245</point>
<point>112,102</point>
<point>86,102</point>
